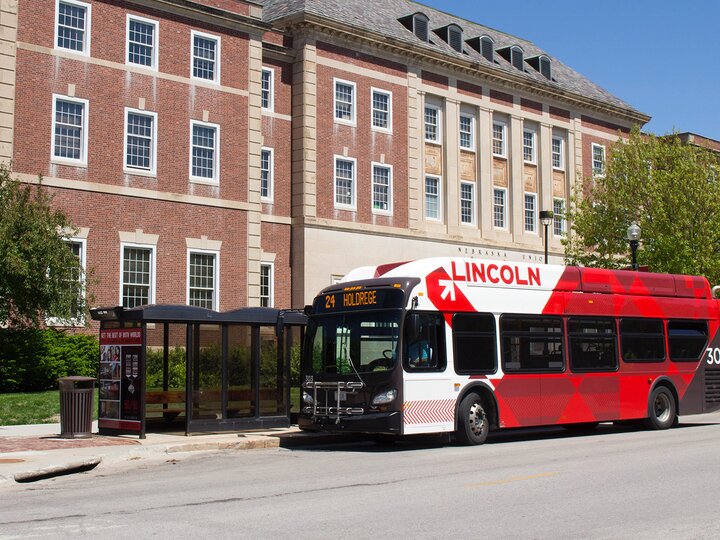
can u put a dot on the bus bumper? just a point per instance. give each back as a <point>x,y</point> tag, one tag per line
<point>389,422</point>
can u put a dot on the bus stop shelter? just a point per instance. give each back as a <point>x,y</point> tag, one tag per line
<point>184,368</point>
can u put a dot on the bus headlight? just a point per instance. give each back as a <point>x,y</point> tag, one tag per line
<point>384,398</point>
<point>307,399</point>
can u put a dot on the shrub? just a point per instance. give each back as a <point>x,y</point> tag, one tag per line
<point>33,360</point>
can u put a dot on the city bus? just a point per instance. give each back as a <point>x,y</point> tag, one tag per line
<point>467,346</point>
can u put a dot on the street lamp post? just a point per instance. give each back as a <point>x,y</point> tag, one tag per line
<point>633,236</point>
<point>546,217</point>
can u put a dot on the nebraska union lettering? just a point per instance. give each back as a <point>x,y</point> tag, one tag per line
<point>472,272</point>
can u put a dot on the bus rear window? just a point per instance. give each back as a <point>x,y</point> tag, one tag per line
<point>642,340</point>
<point>531,343</point>
<point>687,340</point>
<point>474,341</point>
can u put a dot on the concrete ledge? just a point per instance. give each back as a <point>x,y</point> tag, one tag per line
<point>57,470</point>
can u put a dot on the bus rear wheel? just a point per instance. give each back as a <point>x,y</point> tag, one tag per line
<point>474,425</point>
<point>662,411</point>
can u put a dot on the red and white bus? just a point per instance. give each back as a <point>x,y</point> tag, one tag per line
<point>468,346</point>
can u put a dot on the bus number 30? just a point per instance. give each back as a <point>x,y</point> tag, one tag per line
<point>713,355</point>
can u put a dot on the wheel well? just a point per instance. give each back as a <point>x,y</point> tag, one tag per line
<point>489,404</point>
<point>671,387</point>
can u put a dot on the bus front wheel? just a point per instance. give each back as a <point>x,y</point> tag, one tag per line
<point>662,412</point>
<point>474,425</point>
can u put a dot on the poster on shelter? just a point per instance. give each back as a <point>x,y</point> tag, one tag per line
<point>120,379</point>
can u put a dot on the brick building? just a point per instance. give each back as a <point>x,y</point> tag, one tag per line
<point>227,153</point>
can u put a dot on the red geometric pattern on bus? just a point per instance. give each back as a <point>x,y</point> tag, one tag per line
<point>433,411</point>
<point>445,295</point>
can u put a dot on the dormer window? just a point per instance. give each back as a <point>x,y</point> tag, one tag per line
<point>542,64</point>
<point>514,55</point>
<point>485,46</point>
<point>455,37</point>
<point>417,24</point>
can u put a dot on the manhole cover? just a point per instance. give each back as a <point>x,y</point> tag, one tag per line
<point>11,460</point>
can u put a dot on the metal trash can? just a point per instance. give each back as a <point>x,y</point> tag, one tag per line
<point>76,406</point>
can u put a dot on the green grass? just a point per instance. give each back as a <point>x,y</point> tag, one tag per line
<point>32,408</point>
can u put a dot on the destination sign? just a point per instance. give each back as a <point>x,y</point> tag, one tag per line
<point>354,298</point>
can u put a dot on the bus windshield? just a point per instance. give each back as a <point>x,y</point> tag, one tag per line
<point>343,343</point>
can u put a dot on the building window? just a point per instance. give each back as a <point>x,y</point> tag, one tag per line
<point>204,152</point>
<point>382,188</point>
<point>559,217</point>
<point>142,42</point>
<point>498,140</point>
<point>70,133</point>
<point>140,140</point>
<point>267,285</point>
<point>267,97</point>
<point>381,110</point>
<point>420,26</point>
<point>455,39</point>
<point>73,26</point>
<point>487,47</point>
<point>345,102</point>
<point>137,276</point>
<point>205,57</point>
<point>432,197</point>
<point>202,279</point>
<point>558,153</point>
<point>529,146</point>
<point>530,212</point>
<point>432,124</point>
<point>598,160</point>
<point>467,132</point>
<point>499,208</point>
<point>266,174</point>
<point>74,274</point>
<point>516,58</point>
<point>345,183</point>
<point>467,203</point>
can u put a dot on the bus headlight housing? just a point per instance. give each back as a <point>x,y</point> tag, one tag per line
<point>307,398</point>
<point>383,398</point>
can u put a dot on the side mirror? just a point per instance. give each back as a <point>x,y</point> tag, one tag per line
<point>307,310</point>
<point>412,326</point>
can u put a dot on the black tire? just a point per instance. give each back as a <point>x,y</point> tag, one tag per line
<point>662,409</point>
<point>473,425</point>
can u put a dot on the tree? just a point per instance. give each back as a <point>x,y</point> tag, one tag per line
<point>670,189</point>
<point>39,274</point>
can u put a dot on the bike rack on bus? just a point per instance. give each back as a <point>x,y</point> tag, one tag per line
<point>327,410</point>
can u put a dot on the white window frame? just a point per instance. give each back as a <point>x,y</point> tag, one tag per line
<point>472,203</point>
<point>271,88</point>
<point>438,117</point>
<point>532,147</point>
<point>216,70</point>
<point>152,171</point>
<point>155,46</point>
<point>389,211</point>
<point>387,93</point>
<point>215,180</point>
<point>353,102</point>
<point>439,196</point>
<point>504,191</point>
<point>559,217</point>
<point>560,154</point>
<point>216,275</point>
<point>57,321</point>
<point>83,160</point>
<point>87,31</point>
<point>600,171</point>
<point>503,152</point>
<point>471,117</point>
<point>153,268</point>
<point>271,283</point>
<point>534,224</point>
<point>353,204</point>
<point>271,175</point>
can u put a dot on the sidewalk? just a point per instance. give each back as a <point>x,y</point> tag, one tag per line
<point>35,452</point>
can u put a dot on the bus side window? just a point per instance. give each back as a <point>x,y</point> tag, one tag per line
<point>425,343</point>
<point>593,344</point>
<point>474,339</point>
<point>642,340</point>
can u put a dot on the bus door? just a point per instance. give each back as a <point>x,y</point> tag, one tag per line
<point>428,400</point>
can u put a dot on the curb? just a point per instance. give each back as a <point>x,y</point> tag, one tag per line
<point>57,470</point>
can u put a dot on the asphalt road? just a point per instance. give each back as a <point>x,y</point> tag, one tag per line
<point>614,483</point>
